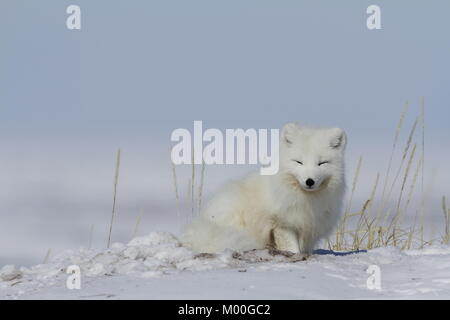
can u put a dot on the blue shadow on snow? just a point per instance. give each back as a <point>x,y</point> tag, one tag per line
<point>334,253</point>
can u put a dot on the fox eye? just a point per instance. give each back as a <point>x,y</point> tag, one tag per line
<point>323,162</point>
<point>299,162</point>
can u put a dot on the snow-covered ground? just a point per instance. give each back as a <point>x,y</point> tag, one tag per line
<point>157,267</point>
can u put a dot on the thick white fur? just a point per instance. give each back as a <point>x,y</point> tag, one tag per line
<point>278,210</point>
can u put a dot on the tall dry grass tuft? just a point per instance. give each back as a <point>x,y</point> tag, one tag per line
<point>192,192</point>
<point>340,235</point>
<point>176,190</point>
<point>402,163</point>
<point>446,237</point>
<point>405,209</point>
<point>368,227</point>
<point>192,199</point>
<point>200,188</point>
<point>113,212</point>
<point>394,146</point>
<point>364,228</point>
<point>138,222</point>
<point>422,205</point>
<point>47,256</point>
<point>396,220</point>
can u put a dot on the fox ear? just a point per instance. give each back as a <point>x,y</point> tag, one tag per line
<point>338,139</point>
<point>288,132</point>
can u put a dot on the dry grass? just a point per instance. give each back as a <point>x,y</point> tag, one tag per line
<point>113,212</point>
<point>138,222</point>
<point>385,226</point>
<point>177,193</point>
<point>446,237</point>
<point>193,197</point>
<point>47,256</point>
<point>340,235</point>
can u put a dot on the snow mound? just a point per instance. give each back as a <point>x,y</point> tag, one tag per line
<point>154,255</point>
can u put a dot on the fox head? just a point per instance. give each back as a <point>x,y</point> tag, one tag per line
<point>313,157</point>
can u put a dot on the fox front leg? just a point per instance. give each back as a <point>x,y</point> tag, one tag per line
<point>286,240</point>
<point>305,242</point>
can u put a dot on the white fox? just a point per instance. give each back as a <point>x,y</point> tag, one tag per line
<point>289,211</point>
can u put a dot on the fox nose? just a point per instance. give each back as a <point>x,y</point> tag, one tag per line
<point>310,182</point>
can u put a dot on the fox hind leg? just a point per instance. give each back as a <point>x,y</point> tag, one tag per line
<point>285,239</point>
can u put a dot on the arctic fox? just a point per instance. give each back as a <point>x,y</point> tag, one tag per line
<point>288,211</point>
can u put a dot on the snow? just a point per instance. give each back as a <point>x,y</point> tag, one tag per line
<point>158,267</point>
